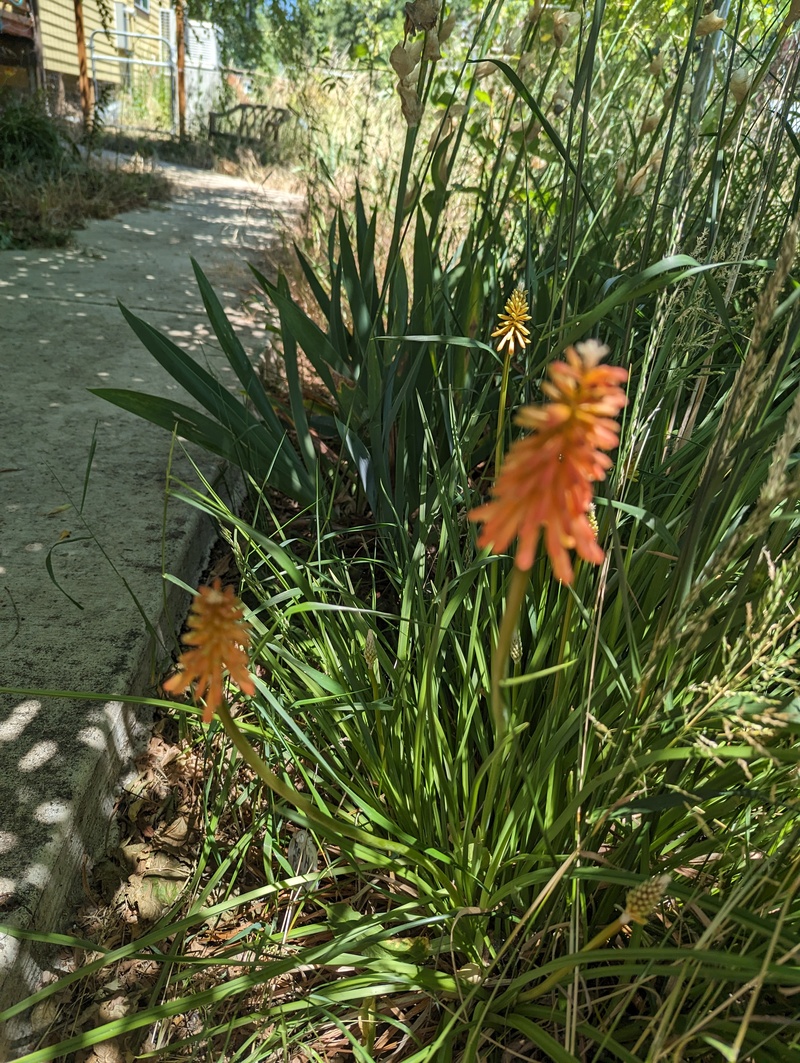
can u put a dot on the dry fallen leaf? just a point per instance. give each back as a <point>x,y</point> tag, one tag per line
<point>173,836</point>
<point>116,1007</point>
<point>107,1052</point>
<point>43,1015</point>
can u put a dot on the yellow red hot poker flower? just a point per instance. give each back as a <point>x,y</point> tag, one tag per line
<point>218,639</point>
<point>545,483</point>
<point>511,329</point>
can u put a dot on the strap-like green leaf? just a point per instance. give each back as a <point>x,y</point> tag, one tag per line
<point>235,352</point>
<point>274,468</point>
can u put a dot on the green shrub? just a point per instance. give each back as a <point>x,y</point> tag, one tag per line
<point>47,189</point>
<point>29,138</point>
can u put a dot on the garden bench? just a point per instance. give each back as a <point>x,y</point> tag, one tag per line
<point>247,123</point>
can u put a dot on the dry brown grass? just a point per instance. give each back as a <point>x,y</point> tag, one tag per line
<point>38,211</point>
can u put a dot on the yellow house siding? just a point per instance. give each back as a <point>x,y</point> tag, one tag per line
<point>57,22</point>
<point>59,43</point>
<point>150,24</point>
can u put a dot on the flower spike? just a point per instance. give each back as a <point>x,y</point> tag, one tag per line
<point>511,327</point>
<point>220,639</point>
<point>544,485</point>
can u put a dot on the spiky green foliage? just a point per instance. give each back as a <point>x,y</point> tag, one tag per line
<point>468,900</point>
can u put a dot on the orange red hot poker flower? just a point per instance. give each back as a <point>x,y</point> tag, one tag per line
<point>544,485</point>
<point>219,639</point>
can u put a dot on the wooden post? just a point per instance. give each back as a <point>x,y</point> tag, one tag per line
<point>38,54</point>
<point>83,71</point>
<point>180,43</point>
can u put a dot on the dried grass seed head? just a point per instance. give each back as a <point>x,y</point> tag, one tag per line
<point>709,24</point>
<point>402,61</point>
<point>421,15</point>
<point>740,83</point>
<point>563,24</point>
<point>446,28</point>
<point>431,52</point>
<point>410,103</point>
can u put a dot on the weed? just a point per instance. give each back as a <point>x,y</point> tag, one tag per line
<point>48,189</point>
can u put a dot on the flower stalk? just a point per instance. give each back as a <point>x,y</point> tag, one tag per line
<point>517,589</point>
<point>512,333</point>
<point>544,487</point>
<point>639,903</point>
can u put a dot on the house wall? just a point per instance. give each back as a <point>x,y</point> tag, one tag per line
<point>57,20</point>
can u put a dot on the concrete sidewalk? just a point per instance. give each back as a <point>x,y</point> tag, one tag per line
<point>61,333</point>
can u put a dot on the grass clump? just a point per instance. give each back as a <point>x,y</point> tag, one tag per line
<point>49,187</point>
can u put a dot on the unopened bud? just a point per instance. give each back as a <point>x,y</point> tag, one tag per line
<point>740,84</point>
<point>591,516</point>
<point>709,24</point>
<point>370,649</point>
<point>515,649</point>
<point>642,899</point>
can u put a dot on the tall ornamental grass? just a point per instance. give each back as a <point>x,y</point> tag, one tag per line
<point>496,807</point>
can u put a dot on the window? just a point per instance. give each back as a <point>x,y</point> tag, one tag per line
<point>143,6</point>
<point>167,20</point>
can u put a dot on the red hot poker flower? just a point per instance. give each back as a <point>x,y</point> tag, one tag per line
<point>220,638</point>
<point>545,481</point>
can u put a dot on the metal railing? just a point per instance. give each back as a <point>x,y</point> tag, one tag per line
<point>131,60</point>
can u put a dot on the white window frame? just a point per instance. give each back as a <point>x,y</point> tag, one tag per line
<point>167,15</point>
<point>120,38</point>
